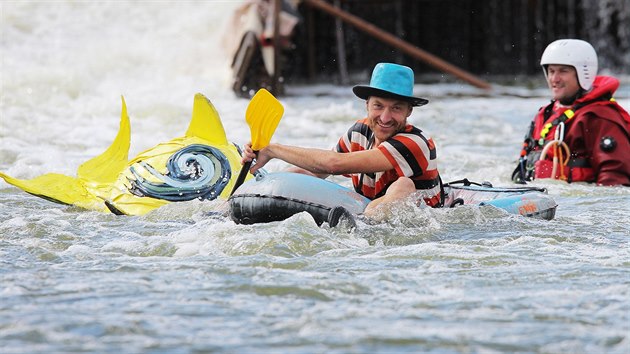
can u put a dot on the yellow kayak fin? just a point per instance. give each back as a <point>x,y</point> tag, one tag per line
<point>58,188</point>
<point>95,176</point>
<point>104,169</point>
<point>206,123</point>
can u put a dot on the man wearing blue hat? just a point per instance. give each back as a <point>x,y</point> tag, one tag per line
<point>387,158</point>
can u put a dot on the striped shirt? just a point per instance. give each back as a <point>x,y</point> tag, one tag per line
<point>411,153</point>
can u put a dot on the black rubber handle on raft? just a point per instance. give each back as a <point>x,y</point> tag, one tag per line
<point>241,176</point>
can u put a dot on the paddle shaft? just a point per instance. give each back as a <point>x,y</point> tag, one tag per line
<point>241,176</point>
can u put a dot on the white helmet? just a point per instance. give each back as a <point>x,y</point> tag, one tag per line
<point>575,52</point>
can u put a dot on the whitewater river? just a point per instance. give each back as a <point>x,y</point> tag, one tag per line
<point>465,280</point>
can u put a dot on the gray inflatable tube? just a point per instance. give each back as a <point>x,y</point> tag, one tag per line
<point>277,196</point>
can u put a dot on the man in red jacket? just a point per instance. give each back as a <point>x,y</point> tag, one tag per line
<point>583,135</point>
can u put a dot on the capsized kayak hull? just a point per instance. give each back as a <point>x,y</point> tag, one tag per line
<point>202,164</point>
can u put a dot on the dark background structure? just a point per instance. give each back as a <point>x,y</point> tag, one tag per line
<point>488,38</point>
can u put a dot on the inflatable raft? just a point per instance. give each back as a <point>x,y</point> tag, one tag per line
<point>277,196</point>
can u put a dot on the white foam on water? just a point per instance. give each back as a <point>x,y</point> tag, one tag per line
<point>185,278</point>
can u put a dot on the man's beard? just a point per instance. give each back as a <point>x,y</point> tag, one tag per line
<point>567,101</point>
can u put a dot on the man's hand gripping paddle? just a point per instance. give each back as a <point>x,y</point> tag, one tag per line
<point>262,115</point>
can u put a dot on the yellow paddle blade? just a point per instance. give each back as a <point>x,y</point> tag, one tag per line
<point>206,123</point>
<point>263,115</point>
<point>58,188</point>
<point>105,168</point>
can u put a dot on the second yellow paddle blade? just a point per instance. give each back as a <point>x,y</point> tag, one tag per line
<point>263,115</point>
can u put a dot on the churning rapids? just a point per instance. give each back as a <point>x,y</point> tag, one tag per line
<point>182,280</point>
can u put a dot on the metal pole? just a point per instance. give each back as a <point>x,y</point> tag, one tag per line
<point>394,41</point>
<point>275,81</point>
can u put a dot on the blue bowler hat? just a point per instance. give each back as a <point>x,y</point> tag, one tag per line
<point>390,81</point>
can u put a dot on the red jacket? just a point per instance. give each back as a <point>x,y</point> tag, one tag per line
<point>597,135</point>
